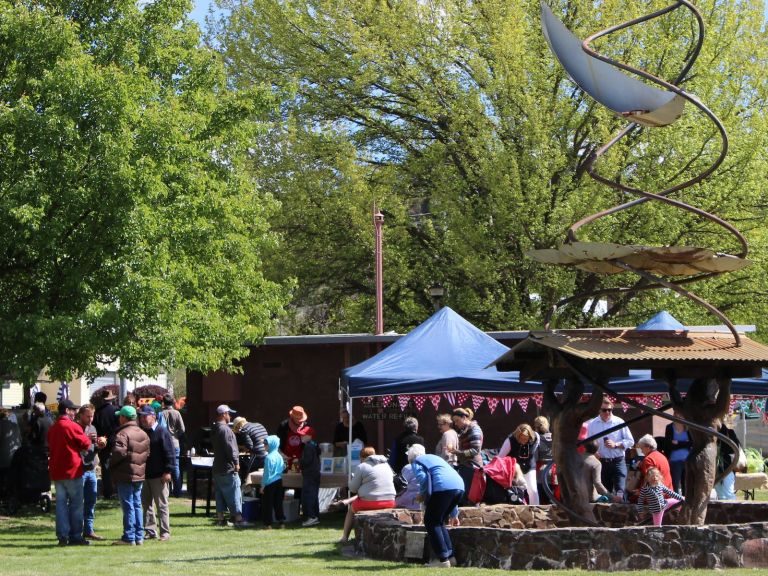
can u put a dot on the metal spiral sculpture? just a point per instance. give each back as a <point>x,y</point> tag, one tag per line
<point>644,105</point>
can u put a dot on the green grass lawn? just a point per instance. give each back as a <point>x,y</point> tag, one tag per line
<point>28,546</point>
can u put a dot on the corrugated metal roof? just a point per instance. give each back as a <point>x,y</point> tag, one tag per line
<point>642,346</point>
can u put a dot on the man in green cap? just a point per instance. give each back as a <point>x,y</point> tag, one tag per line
<point>128,464</point>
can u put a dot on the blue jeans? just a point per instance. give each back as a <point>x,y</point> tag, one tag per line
<point>436,513</point>
<point>69,509</point>
<point>176,474</point>
<point>614,475</point>
<point>677,469</point>
<point>228,495</point>
<point>89,500</point>
<point>129,494</point>
<point>310,493</point>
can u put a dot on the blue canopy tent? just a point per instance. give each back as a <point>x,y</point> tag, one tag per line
<point>642,382</point>
<point>444,354</point>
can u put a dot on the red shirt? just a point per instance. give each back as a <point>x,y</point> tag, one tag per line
<point>293,445</point>
<point>656,459</point>
<point>66,440</point>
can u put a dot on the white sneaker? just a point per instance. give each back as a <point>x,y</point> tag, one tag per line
<point>438,563</point>
<point>310,522</point>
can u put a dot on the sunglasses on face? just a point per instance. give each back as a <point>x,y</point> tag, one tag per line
<point>606,409</point>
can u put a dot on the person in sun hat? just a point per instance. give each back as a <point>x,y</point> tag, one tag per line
<point>226,468</point>
<point>129,464</point>
<point>290,432</point>
<point>66,440</point>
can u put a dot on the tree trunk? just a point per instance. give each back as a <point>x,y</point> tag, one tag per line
<point>705,404</point>
<point>566,418</point>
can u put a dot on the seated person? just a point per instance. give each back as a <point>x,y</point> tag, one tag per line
<point>593,469</point>
<point>374,486</point>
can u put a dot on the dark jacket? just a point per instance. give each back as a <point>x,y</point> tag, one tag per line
<point>225,452</point>
<point>406,439</point>
<point>162,456</point>
<point>38,432</point>
<point>668,447</point>
<point>310,459</point>
<point>128,461</point>
<point>106,422</point>
<point>341,433</point>
<point>725,453</point>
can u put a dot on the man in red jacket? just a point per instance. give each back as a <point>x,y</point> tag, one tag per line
<point>66,440</point>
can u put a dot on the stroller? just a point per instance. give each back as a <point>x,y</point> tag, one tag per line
<point>494,483</point>
<point>27,481</point>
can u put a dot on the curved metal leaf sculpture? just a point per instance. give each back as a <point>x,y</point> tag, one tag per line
<point>659,103</point>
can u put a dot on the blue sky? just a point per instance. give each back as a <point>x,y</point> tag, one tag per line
<point>201,9</point>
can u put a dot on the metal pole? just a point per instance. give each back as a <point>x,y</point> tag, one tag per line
<point>378,220</point>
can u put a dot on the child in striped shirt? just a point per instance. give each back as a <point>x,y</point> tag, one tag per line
<point>655,497</point>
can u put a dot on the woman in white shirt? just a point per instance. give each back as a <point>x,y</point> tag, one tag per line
<point>448,439</point>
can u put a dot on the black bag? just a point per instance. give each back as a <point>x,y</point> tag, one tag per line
<point>400,484</point>
<point>517,495</point>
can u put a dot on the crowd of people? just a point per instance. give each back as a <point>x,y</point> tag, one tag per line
<point>136,450</point>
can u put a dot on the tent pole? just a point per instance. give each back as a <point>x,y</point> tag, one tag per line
<point>349,442</point>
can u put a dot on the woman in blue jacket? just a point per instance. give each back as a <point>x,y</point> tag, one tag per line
<point>441,489</point>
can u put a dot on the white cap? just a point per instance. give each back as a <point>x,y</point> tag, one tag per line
<point>223,409</point>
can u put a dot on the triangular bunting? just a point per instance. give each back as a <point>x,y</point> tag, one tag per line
<point>403,401</point>
<point>657,400</point>
<point>435,399</point>
<point>492,403</point>
<point>451,397</point>
<point>760,405</point>
<point>507,403</point>
<point>461,397</point>
<point>624,406</point>
<point>538,399</point>
<point>477,402</point>
<point>523,403</point>
<point>419,401</point>
<point>386,401</point>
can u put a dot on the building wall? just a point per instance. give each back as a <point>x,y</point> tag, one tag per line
<point>277,377</point>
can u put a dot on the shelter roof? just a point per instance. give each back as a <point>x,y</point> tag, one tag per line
<point>615,350</point>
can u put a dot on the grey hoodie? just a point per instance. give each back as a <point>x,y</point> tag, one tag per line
<point>373,479</point>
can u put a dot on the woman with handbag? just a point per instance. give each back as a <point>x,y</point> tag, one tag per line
<point>725,488</point>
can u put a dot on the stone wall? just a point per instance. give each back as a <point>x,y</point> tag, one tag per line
<point>539,537</point>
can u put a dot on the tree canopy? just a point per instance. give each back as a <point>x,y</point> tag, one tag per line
<point>457,121</point>
<point>128,225</point>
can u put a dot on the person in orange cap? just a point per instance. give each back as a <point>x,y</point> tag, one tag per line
<point>290,432</point>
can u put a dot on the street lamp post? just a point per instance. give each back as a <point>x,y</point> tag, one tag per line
<point>436,292</point>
